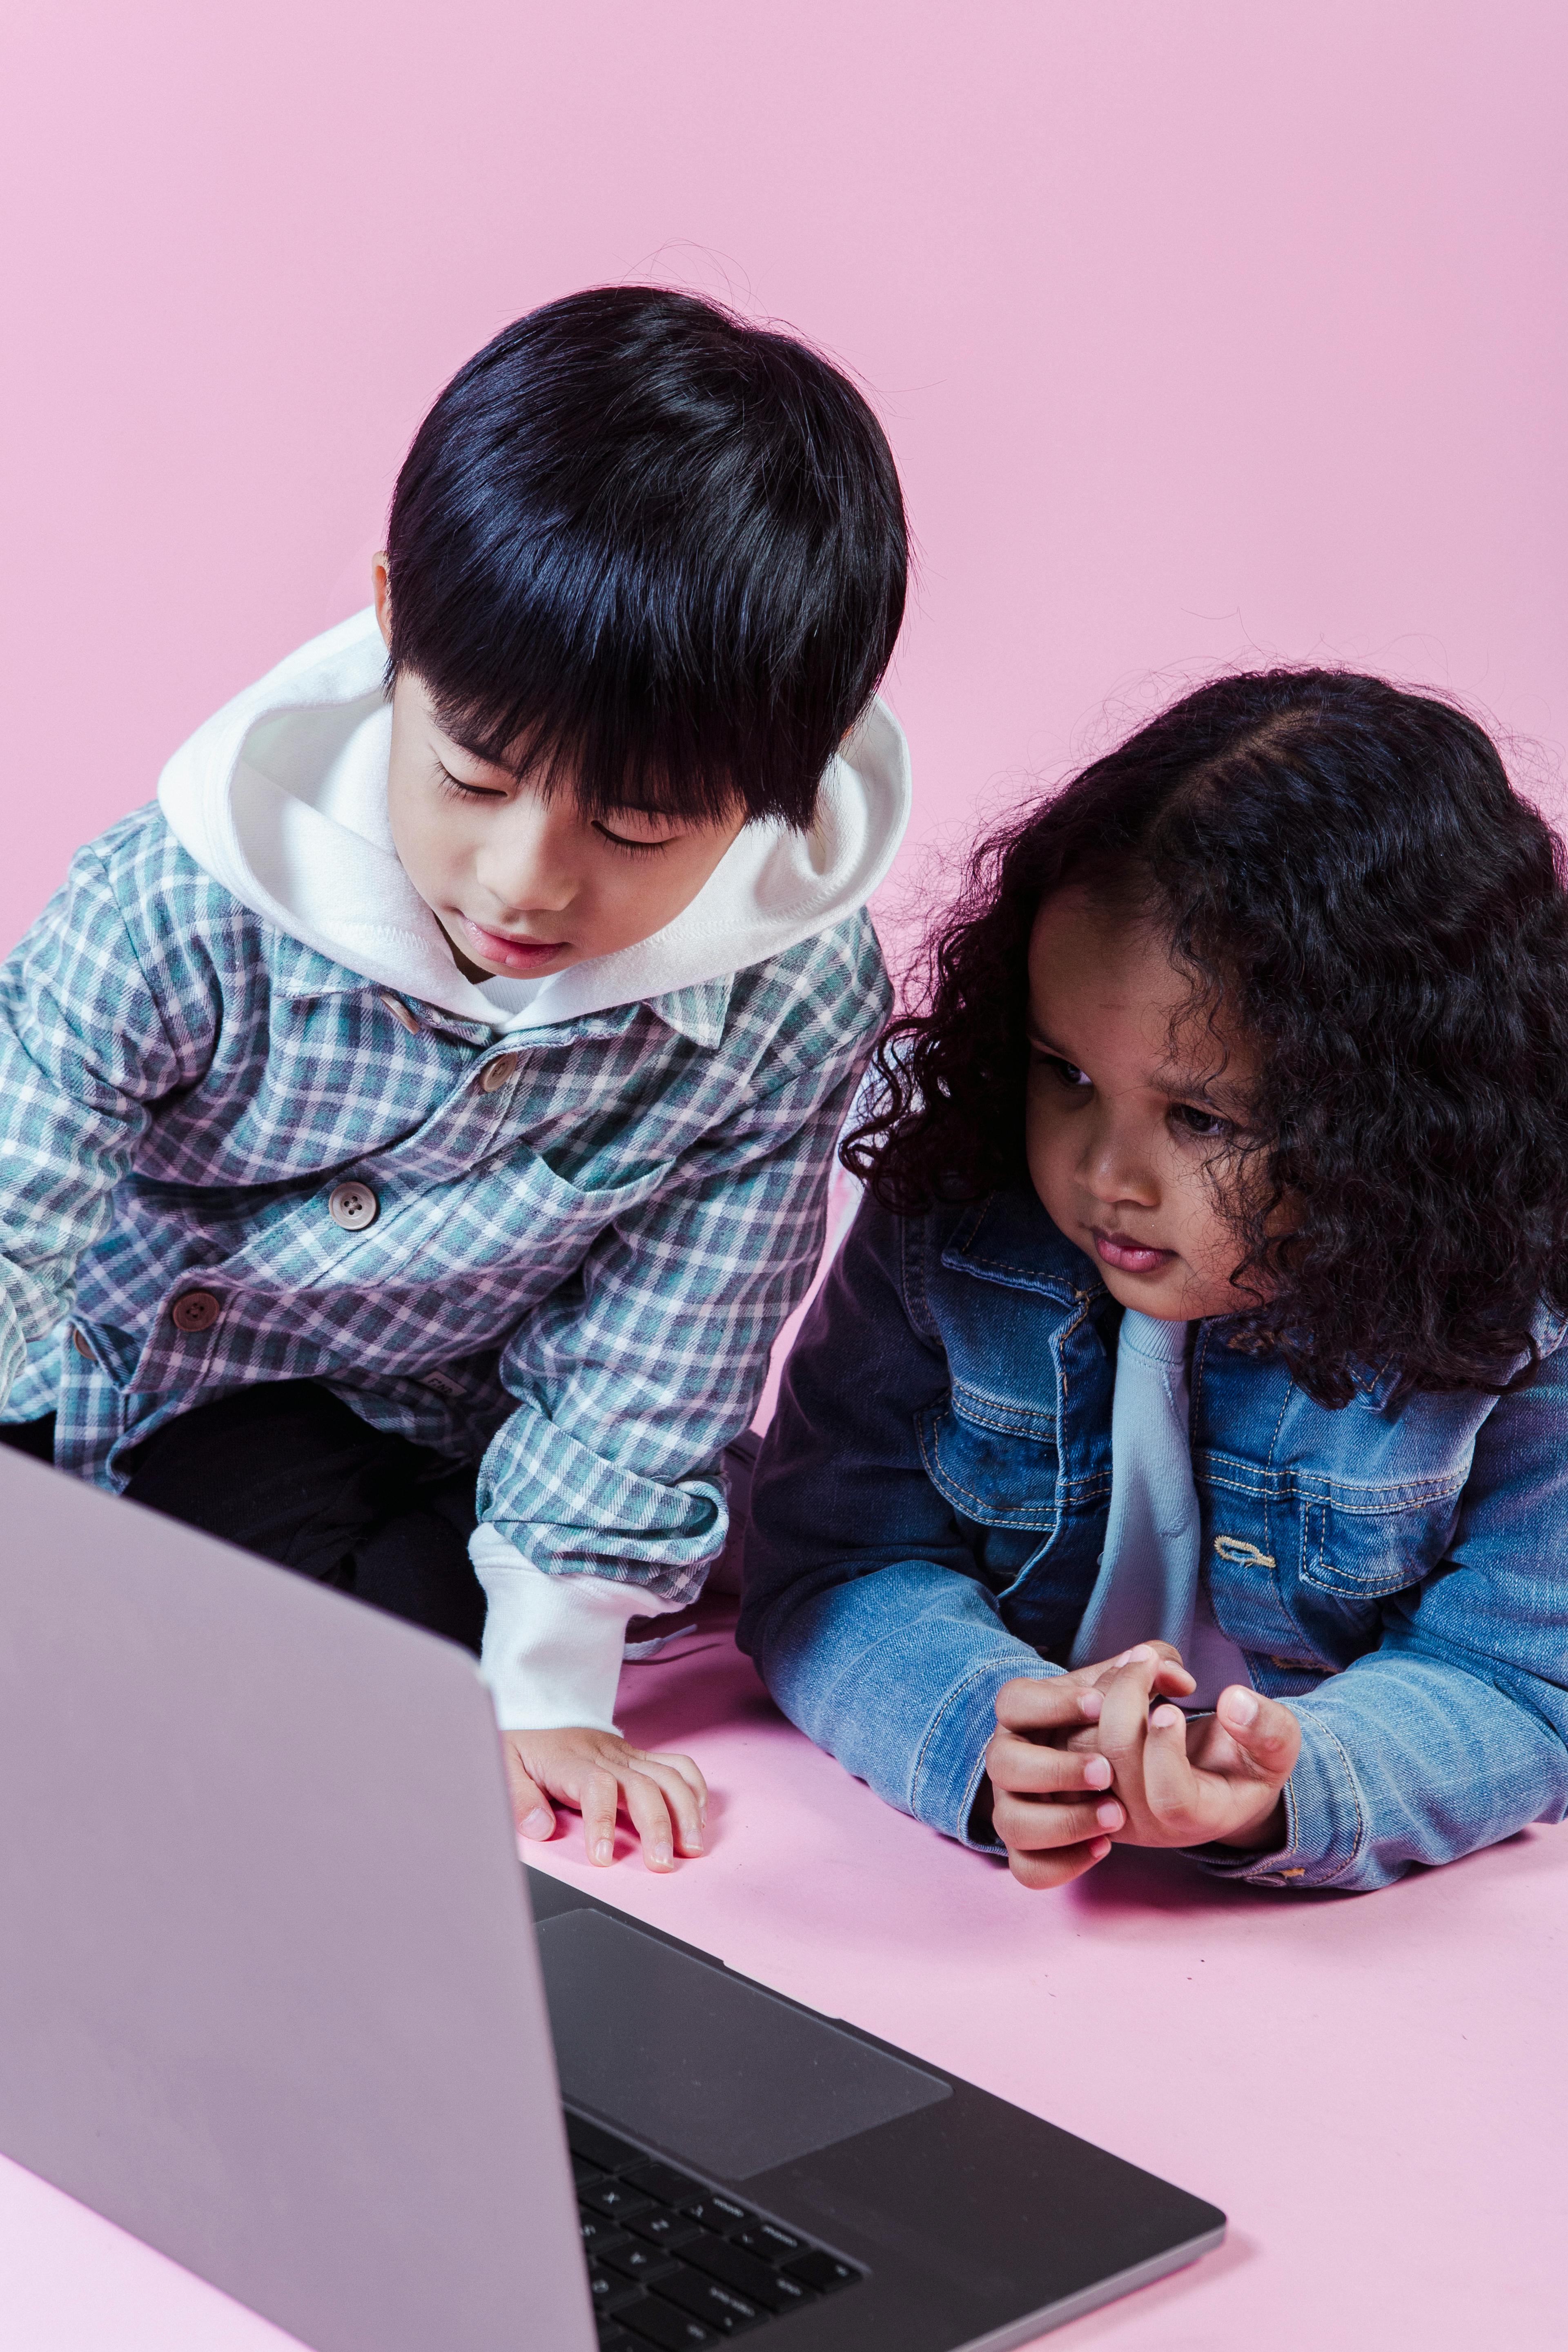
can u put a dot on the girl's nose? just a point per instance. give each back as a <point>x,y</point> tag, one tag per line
<point>1115,1168</point>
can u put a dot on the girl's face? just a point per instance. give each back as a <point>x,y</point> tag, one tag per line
<point>1129,1141</point>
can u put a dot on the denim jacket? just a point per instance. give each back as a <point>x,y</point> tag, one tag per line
<point>930,1508</point>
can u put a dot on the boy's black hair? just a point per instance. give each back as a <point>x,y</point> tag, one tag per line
<point>1348,876</point>
<point>644,548</point>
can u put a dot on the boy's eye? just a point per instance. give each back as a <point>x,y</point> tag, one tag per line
<point>625,841</point>
<point>1199,1121</point>
<point>460,790</point>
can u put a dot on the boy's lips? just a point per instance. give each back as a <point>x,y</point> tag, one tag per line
<point>1130,1257</point>
<point>519,955</point>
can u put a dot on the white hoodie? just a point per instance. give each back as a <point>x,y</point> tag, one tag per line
<point>281,798</point>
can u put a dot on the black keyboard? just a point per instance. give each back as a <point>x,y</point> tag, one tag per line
<point>676,2264</point>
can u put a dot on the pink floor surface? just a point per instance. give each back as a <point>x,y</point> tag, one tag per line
<point>1374,2088</point>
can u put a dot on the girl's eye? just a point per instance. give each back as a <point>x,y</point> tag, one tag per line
<point>1198,1121</point>
<point>636,849</point>
<point>1066,1073</point>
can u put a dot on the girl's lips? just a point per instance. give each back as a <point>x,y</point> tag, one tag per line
<point>519,955</point>
<point>1128,1256</point>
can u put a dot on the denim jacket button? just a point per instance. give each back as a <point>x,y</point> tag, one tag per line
<point>352,1206</point>
<point>495,1074</point>
<point>195,1310</point>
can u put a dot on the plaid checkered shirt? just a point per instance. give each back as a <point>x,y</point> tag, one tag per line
<point>582,1239</point>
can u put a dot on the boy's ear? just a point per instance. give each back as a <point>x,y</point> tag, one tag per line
<point>381,584</point>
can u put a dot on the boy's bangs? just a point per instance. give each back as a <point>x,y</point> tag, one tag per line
<point>603,767</point>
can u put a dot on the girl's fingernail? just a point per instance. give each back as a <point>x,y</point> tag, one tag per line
<point>539,1824</point>
<point>1243,1706</point>
<point>1167,1718</point>
<point>1097,1772</point>
<point>1110,1817</point>
<point>1141,1656</point>
<point>605,1849</point>
<point>1091,1705</point>
<point>1099,1849</point>
<point>663,1859</point>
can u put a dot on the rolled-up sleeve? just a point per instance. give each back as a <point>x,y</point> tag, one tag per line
<point>1453,1733</point>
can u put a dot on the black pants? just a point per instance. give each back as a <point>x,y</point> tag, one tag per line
<point>285,1470</point>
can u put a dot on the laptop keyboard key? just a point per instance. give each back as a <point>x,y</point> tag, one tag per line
<point>609,2291</point>
<point>718,2306</point>
<point>614,2200</point>
<point>659,2227</point>
<point>600,2237</point>
<point>824,2271</point>
<point>644,2264</point>
<point>613,2336</point>
<point>774,2244</point>
<point>736,2268</point>
<point>671,2330</point>
<point>718,2212</point>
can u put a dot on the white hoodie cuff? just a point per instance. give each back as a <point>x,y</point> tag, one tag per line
<point>552,1645</point>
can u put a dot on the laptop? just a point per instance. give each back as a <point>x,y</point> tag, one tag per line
<point>277,1996</point>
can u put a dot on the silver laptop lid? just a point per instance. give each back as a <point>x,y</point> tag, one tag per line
<point>268,1990</point>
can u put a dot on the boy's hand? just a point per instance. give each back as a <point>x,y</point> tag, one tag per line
<point>1215,1780</point>
<point>666,1796</point>
<point>1050,1801</point>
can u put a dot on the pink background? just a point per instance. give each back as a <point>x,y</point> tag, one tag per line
<point>1203,332</point>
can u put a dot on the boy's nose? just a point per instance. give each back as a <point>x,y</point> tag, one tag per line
<point>527,872</point>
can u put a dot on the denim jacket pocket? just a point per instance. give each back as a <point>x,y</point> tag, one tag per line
<point>996,1461</point>
<point>1362,1543</point>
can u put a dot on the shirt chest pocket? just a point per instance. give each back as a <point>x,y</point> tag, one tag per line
<point>994,1461</point>
<point>1362,1542</point>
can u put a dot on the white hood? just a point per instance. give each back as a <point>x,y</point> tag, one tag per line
<point>281,797</point>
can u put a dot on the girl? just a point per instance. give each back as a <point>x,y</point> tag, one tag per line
<point>1208,1299</point>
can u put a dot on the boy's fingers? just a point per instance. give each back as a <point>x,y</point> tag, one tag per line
<point>650,1819</point>
<point>1024,1764</point>
<point>679,1795</point>
<point>1037,1871</point>
<point>599,1801</point>
<point>685,1766</point>
<point>528,1811</point>
<point>1026,1827</point>
<point>1269,1733</point>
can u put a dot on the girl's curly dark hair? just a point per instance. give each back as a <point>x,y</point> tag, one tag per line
<point>1345,869</point>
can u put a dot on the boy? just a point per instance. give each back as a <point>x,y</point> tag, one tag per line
<point>413,1127</point>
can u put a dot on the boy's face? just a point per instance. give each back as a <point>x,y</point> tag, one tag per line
<point>523,885</point>
<point>1130,1144</point>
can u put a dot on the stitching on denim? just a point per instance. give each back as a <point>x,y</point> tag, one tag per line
<point>944,1482</point>
<point>948,1705</point>
<point>1354,1855</point>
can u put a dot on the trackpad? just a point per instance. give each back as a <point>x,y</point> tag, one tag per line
<point>705,2064</point>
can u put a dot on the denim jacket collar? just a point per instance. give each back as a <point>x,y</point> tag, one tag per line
<point>1007,1238</point>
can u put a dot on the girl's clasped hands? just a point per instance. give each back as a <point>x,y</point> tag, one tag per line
<point>1082,1762</point>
